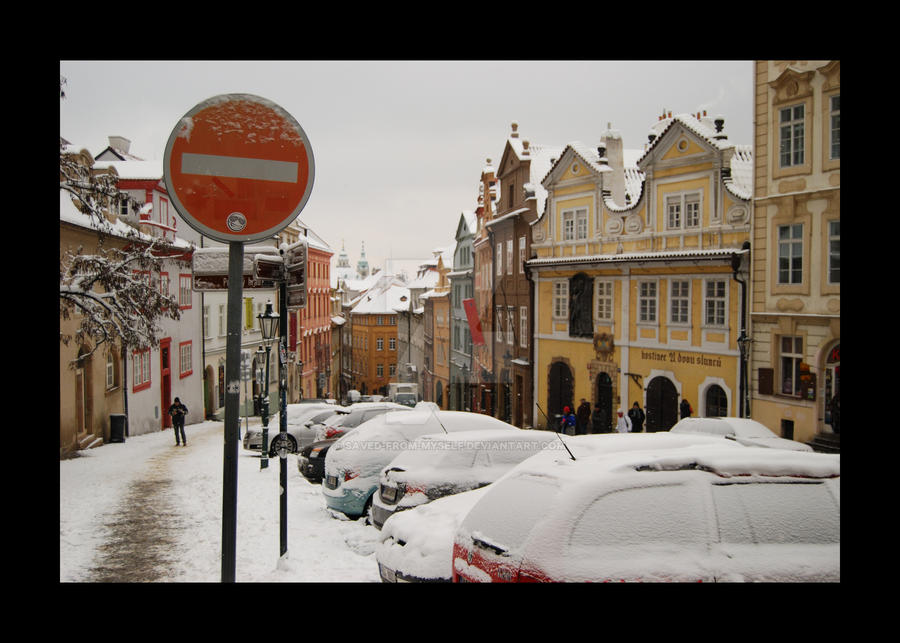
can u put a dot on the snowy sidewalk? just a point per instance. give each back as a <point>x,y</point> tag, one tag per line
<point>181,489</point>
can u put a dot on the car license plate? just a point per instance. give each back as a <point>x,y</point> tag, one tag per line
<point>389,494</point>
<point>387,574</point>
<point>331,482</point>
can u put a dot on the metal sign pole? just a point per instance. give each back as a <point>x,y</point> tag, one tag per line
<point>283,331</point>
<point>232,410</point>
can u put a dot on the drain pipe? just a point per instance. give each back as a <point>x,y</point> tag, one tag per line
<point>743,340</point>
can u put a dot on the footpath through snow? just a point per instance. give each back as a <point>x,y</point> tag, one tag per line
<point>146,510</point>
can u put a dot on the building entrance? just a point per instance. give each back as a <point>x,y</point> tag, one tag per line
<point>662,404</point>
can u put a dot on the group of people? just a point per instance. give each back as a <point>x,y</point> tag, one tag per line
<point>585,421</point>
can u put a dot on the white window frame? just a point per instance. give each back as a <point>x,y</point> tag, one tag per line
<point>511,325</point>
<point>683,210</point>
<point>603,296</point>
<point>575,224</point>
<point>185,358</point>
<point>561,299</point>
<point>715,304</point>
<point>790,248</point>
<point>834,251</point>
<point>791,135</point>
<point>680,302</point>
<point>523,326</point>
<point>509,256</point>
<point>521,254</point>
<point>789,359</point>
<point>110,371</point>
<point>648,302</point>
<point>834,103</point>
<point>499,259</point>
<point>379,344</point>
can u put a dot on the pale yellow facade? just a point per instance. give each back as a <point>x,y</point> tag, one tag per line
<point>796,294</point>
<point>654,247</point>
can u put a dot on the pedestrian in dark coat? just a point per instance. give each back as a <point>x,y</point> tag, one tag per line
<point>582,417</point>
<point>836,413</point>
<point>178,411</point>
<point>636,414</point>
<point>686,410</point>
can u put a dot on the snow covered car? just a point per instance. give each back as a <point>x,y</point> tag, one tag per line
<point>698,512</point>
<point>297,416</point>
<point>742,430</point>
<point>416,545</point>
<point>442,464</point>
<point>358,413</point>
<point>354,463</point>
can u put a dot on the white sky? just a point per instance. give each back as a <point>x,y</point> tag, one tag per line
<point>399,145</point>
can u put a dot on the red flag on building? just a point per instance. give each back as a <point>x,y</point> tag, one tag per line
<point>474,322</point>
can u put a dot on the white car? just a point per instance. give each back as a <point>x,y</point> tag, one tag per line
<point>355,461</point>
<point>700,512</point>
<point>442,464</point>
<point>416,545</point>
<point>742,430</point>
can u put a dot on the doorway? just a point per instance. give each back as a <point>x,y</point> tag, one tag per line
<point>559,391</point>
<point>662,404</point>
<point>603,399</point>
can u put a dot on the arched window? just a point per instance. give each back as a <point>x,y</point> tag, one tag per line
<point>716,402</point>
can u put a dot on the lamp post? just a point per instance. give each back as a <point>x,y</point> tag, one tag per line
<point>267,325</point>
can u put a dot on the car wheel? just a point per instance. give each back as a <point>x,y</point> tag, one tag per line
<point>291,440</point>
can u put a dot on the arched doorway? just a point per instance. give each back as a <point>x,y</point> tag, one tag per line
<point>559,391</point>
<point>603,399</point>
<point>716,402</point>
<point>662,404</point>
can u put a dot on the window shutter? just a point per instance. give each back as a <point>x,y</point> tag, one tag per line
<point>766,381</point>
<point>248,313</point>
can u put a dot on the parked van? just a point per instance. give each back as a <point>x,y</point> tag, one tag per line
<point>702,513</point>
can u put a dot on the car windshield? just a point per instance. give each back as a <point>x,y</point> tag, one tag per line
<point>531,497</point>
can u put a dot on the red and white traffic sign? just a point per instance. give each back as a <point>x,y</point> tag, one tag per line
<point>238,168</point>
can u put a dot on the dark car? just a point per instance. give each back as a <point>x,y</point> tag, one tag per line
<point>311,459</point>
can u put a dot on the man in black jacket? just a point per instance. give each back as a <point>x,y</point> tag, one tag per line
<point>178,411</point>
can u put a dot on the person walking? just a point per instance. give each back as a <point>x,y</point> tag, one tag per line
<point>178,411</point>
<point>582,417</point>
<point>836,413</point>
<point>623,424</point>
<point>636,415</point>
<point>686,410</point>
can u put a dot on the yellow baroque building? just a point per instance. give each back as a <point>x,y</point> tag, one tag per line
<point>640,261</point>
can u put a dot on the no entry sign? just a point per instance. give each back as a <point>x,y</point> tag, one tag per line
<point>238,168</point>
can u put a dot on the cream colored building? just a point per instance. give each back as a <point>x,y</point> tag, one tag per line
<point>796,285</point>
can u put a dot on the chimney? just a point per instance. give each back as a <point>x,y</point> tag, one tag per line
<point>720,124</point>
<point>515,133</point>
<point>612,141</point>
<point>525,151</point>
<point>120,144</point>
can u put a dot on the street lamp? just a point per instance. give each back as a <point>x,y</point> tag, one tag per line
<point>267,325</point>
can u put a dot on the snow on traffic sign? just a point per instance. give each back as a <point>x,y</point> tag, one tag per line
<point>239,168</point>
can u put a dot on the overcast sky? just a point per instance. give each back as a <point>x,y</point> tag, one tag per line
<point>399,145</point>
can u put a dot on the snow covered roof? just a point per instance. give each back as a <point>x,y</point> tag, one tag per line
<point>69,213</point>
<point>541,157</point>
<point>384,301</point>
<point>134,170</point>
<point>634,177</point>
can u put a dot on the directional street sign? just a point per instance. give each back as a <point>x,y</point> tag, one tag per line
<point>238,168</point>
<point>295,257</point>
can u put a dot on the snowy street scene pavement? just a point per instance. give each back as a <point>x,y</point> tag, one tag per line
<point>147,510</point>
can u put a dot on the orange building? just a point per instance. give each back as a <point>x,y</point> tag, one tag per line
<point>374,336</point>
